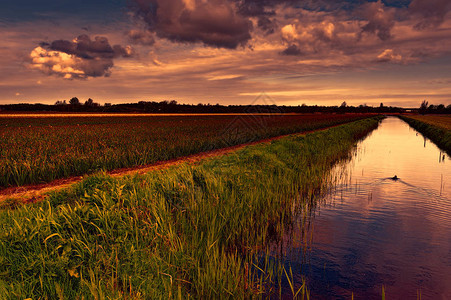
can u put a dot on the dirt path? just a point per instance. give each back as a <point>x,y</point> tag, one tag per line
<point>33,193</point>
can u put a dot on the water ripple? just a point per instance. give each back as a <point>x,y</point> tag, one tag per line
<point>371,230</point>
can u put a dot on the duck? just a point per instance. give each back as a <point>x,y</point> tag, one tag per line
<point>394,178</point>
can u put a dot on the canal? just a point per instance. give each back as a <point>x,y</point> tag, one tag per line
<point>373,232</point>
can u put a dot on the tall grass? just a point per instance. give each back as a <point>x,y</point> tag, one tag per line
<point>185,232</point>
<point>35,150</point>
<point>440,135</point>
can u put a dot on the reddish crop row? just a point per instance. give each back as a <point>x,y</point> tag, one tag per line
<point>35,150</point>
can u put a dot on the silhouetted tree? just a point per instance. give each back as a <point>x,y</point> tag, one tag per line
<point>89,102</point>
<point>74,101</point>
<point>423,107</point>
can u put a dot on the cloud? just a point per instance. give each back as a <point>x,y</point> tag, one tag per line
<point>215,23</point>
<point>429,13</point>
<point>302,28</point>
<point>268,25</point>
<point>142,37</point>
<point>380,20</point>
<point>314,34</point>
<point>289,32</point>
<point>388,55</point>
<point>77,59</point>
<point>86,48</point>
<point>292,50</point>
<point>318,33</point>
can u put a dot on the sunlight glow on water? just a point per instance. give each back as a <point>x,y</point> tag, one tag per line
<point>374,231</point>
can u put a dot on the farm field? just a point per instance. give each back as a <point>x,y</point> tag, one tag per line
<point>191,231</point>
<point>435,127</point>
<point>36,149</point>
<point>442,121</point>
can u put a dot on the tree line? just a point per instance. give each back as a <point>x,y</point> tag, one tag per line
<point>75,105</point>
<point>426,108</point>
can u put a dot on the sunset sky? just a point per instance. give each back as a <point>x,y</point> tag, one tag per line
<point>226,51</point>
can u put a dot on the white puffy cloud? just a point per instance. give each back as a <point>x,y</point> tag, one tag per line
<point>77,59</point>
<point>56,62</point>
<point>317,33</point>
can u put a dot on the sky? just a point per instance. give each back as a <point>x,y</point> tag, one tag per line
<point>321,52</point>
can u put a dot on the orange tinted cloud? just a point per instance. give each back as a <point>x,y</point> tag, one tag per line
<point>77,59</point>
<point>214,22</point>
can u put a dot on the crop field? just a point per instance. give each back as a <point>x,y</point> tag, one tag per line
<point>436,128</point>
<point>190,231</point>
<point>36,149</point>
<point>442,121</point>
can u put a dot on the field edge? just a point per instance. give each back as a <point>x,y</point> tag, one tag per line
<point>439,135</point>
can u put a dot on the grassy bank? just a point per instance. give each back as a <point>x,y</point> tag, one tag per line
<point>436,128</point>
<point>36,150</point>
<point>185,232</point>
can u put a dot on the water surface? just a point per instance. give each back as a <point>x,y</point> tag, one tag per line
<point>373,231</point>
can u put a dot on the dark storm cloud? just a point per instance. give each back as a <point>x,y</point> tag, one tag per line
<point>429,13</point>
<point>77,59</point>
<point>215,23</point>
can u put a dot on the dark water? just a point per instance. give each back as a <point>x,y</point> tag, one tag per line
<point>374,232</point>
